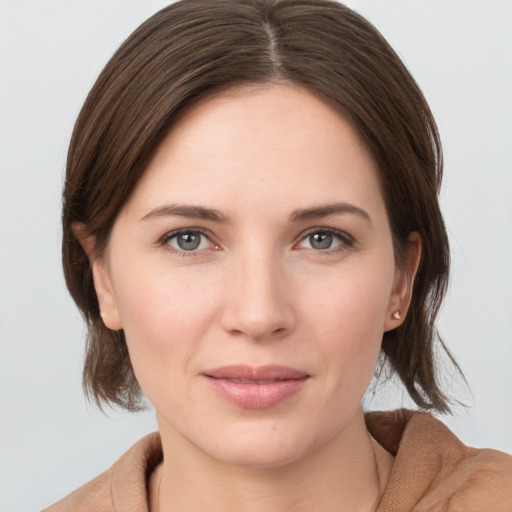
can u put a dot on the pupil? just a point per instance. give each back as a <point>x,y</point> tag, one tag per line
<point>188,241</point>
<point>321,240</point>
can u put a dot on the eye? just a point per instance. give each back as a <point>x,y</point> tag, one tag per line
<point>325,239</point>
<point>188,240</point>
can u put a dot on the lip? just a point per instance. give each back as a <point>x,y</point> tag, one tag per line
<point>256,387</point>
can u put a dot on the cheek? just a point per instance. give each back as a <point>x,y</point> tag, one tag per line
<point>164,317</point>
<point>354,302</point>
<point>347,319</point>
<point>155,302</point>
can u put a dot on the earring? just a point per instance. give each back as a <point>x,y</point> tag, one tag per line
<point>397,314</point>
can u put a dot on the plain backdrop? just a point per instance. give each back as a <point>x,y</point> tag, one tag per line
<point>460,52</point>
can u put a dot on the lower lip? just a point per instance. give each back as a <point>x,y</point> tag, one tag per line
<point>257,396</point>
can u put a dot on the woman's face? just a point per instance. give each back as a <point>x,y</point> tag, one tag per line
<point>252,271</point>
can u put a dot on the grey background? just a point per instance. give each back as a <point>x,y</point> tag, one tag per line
<point>51,441</point>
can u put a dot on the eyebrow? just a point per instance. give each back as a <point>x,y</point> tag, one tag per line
<point>320,211</point>
<point>190,212</point>
<point>202,213</point>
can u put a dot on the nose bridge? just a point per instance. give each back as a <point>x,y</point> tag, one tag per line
<point>257,304</point>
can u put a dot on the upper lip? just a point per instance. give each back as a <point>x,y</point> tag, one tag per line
<point>269,372</point>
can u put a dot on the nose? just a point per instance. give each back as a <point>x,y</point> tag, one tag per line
<point>258,301</point>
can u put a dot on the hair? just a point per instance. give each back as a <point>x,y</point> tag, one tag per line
<point>195,48</point>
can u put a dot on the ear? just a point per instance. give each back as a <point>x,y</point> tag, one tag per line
<point>104,291</point>
<point>401,294</point>
<point>101,276</point>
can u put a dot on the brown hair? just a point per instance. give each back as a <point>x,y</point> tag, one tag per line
<point>194,48</point>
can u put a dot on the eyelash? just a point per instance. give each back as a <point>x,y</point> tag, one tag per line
<point>346,240</point>
<point>164,241</point>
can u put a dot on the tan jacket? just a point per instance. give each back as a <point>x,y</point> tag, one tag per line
<point>433,472</point>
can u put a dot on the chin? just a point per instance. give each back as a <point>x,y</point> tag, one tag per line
<point>257,456</point>
<point>259,447</point>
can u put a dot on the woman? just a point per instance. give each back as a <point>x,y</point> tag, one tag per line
<point>250,219</point>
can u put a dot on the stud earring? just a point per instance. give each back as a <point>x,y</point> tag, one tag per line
<point>397,314</point>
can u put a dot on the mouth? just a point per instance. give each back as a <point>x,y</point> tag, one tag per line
<point>256,387</point>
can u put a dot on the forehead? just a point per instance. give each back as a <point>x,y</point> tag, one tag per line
<point>261,146</point>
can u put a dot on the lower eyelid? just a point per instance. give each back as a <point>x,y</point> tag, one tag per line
<point>345,240</point>
<point>164,242</point>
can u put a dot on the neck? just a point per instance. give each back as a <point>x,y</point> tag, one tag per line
<point>348,472</point>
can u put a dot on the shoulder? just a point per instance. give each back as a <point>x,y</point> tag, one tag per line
<point>94,495</point>
<point>122,487</point>
<point>434,470</point>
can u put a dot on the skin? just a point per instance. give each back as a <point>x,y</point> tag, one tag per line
<point>258,290</point>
